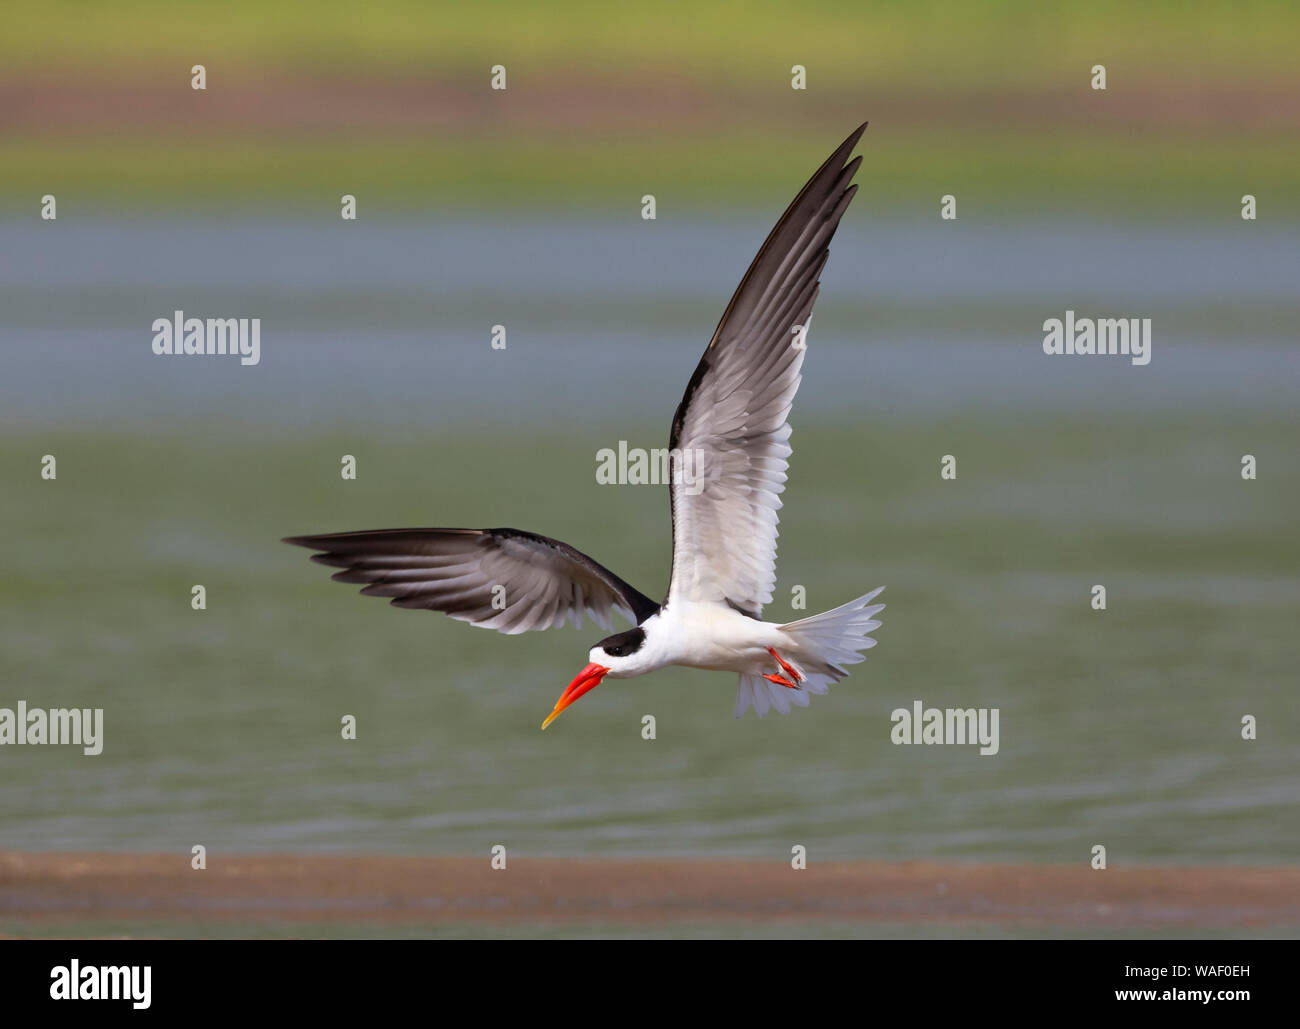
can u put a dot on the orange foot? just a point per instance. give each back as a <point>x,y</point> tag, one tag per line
<point>788,668</point>
<point>781,681</point>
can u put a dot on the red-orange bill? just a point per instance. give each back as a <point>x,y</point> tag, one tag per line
<point>588,679</point>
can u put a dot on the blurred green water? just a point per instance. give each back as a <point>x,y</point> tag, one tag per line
<point>222,726</point>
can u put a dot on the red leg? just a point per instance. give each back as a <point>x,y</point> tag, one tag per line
<point>780,681</point>
<point>786,666</point>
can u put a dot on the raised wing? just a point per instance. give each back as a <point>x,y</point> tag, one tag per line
<point>502,579</point>
<point>731,427</point>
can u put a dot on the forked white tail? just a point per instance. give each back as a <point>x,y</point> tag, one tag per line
<point>819,646</point>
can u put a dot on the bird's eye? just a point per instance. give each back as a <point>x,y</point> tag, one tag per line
<point>628,643</point>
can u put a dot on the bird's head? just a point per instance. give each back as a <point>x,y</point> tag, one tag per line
<point>617,656</point>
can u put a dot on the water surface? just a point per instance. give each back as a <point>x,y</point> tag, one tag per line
<point>1119,728</point>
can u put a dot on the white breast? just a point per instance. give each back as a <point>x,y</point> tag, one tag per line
<point>713,636</point>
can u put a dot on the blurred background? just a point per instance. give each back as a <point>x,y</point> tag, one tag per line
<point>523,208</point>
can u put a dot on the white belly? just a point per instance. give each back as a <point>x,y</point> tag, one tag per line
<point>717,637</point>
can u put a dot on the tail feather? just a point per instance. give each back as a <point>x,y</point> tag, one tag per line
<point>822,643</point>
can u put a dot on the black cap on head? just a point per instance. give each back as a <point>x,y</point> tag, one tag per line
<point>624,643</point>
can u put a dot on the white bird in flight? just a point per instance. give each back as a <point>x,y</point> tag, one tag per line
<point>733,421</point>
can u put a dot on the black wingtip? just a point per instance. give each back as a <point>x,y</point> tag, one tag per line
<point>835,164</point>
<point>852,139</point>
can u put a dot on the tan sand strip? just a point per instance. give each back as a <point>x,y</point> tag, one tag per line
<point>277,888</point>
